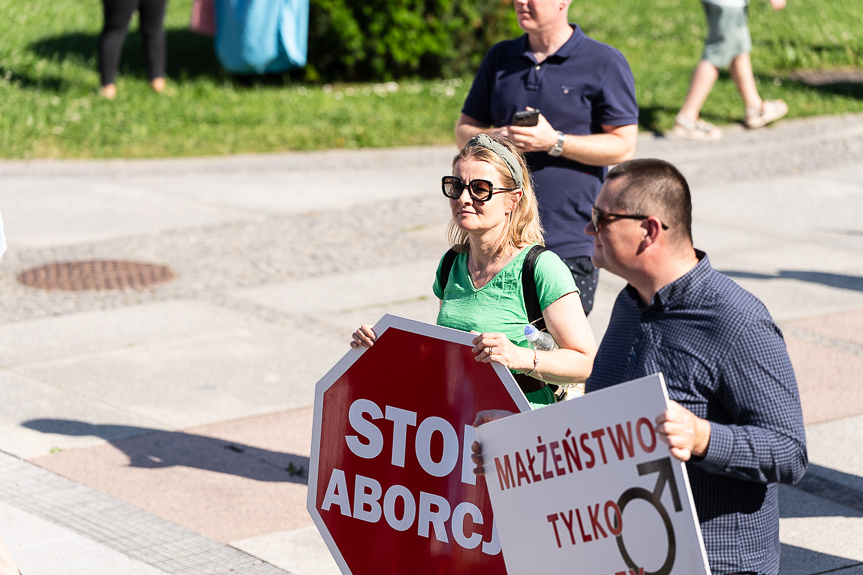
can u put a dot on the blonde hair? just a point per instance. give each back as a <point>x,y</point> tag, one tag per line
<point>523,225</point>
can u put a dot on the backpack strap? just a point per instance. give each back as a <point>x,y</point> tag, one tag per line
<point>528,287</point>
<point>528,282</point>
<point>446,267</point>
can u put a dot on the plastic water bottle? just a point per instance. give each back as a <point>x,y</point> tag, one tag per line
<point>539,339</point>
<point>544,342</point>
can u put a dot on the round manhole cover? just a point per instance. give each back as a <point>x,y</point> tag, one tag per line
<point>95,275</point>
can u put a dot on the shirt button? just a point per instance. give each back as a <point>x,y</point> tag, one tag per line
<point>537,67</point>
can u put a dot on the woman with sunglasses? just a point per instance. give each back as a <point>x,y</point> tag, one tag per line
<point>494,224</point>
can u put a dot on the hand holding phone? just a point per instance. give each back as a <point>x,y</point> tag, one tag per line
<point>525,118</point>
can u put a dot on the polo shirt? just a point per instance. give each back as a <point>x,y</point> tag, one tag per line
<point>725,360</point>
<point>584,85</point>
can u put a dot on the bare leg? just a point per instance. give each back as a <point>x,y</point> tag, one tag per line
<point>158,84</point>
<point>744,79</point>
<point>758,112</point>
<point>703,79</point>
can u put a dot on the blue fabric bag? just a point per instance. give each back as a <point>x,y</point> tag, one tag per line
<point>261,36</point>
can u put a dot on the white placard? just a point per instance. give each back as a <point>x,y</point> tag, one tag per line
<point>587,486</point>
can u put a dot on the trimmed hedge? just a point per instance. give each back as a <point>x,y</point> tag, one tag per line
<point>373,40</point>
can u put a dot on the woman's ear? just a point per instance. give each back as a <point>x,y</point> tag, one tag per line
<point>515,200</point>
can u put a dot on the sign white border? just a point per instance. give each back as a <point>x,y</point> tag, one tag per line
<point>333,375</point>
<point>516,510</point>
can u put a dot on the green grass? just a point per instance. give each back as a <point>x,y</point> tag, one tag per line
<point>49,106</point>
<point>663,40</point>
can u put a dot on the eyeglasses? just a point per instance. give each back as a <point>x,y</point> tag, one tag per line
<point>598,216</point>
<point>479,190</point>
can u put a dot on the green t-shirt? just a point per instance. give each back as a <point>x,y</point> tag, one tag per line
<point>498,306</point>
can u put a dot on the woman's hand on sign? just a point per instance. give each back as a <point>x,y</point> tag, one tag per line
<point>496,347</point>
<point>685,433</point>
<point>364,336</point>
<point>476,447</point>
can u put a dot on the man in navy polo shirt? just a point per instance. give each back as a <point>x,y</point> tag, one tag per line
<point>589,119</point>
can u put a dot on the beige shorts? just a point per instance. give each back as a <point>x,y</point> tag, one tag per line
<point>728,35</point>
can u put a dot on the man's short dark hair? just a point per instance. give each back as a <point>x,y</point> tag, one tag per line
<point>654,187</point>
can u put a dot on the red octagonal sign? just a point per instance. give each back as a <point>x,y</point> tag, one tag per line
<point>390,485</point>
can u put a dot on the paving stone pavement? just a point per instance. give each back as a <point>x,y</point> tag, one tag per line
<point>136,534</point>
<point>168,429</point>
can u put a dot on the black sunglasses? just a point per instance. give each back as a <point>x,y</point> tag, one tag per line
<point>479,190</point>
<point>598,216</point>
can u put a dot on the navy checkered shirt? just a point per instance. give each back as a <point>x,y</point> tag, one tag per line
<point>724,359</point>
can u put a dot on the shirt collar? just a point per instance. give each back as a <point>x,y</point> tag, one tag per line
<point>564,52</point>
<point>677,293</point>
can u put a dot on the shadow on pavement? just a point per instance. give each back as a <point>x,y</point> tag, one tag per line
<point>801,561</point>
<point>832,485</point>
<point>155,449</point>
<point>854,283</point>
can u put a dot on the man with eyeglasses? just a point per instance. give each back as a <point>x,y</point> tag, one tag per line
<point>585,93</point>
<point>735,415</point>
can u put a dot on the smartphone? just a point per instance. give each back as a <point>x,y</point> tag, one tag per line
<point>525,118</point>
